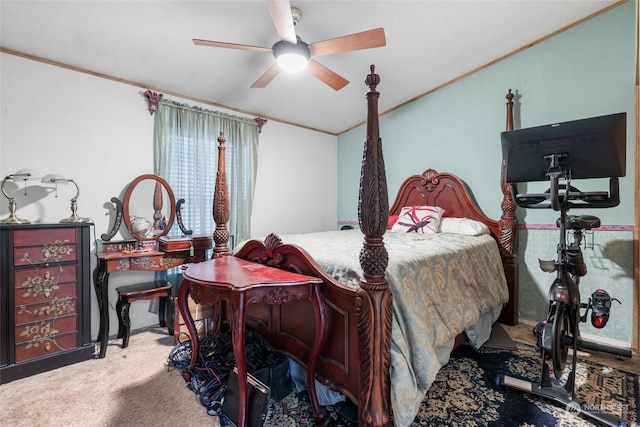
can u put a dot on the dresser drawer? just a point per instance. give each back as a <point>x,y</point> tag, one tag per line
<point>59,307</point>
<point>28,351</point>
<point>47,284</point>
<point>43,236</point>
<point>44,246</point>
<point>46,331</point>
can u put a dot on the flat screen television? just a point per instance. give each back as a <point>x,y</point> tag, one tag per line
<point>586,148</point>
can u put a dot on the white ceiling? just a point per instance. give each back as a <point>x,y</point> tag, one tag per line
<point>429,43</point>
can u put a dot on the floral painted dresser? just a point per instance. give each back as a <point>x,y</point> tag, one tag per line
<point>45,305</point>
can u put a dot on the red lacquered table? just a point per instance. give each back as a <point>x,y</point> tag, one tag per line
<point>241,282</point>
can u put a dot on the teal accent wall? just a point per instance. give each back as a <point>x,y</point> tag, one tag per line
<point>609,259</point>
<point>586,71</point>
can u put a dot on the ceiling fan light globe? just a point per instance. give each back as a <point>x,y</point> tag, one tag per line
<point>292,57</point>
<point>292,62</point>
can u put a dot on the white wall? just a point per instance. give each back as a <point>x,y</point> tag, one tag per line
<point>305,204</point>
<point>100,133</point>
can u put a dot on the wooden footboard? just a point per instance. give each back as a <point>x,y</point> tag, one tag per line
<point>290,328</point>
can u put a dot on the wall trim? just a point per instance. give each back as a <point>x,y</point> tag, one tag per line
<point>555,227</point>
<point>539,226</point>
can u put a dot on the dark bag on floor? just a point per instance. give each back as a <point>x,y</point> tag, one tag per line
<point>273,371</point>
<point>257,398</point>
<point>263,362</point>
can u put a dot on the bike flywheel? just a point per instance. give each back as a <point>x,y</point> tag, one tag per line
<point>559,349</point>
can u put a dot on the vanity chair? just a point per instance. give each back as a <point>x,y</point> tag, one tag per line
<point>144,291</point>
<point>149,210</point>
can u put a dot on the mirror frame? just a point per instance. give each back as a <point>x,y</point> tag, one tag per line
<point>171,203</point>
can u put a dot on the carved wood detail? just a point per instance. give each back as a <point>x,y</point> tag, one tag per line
<point>508,219</point>
<point>117,222</point>
<point>261,122</point>
<point>507,239</point>
<point>154,98</point>
<point>279,296</point>
<point>221,204</point>
<point>374,297</point>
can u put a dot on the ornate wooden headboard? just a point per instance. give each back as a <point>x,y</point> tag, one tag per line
<point>449,192</point>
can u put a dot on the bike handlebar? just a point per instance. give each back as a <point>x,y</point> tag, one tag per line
<point>571,198</point>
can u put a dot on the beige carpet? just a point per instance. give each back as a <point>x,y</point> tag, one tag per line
<point>129,387</point>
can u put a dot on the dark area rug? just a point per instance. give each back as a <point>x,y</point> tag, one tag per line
<point>464,394</point>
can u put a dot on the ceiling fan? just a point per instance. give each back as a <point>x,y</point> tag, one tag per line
<point>291,51</point>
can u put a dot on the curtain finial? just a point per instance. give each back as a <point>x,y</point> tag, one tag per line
<point>261,122</point>
<point>154,98</point>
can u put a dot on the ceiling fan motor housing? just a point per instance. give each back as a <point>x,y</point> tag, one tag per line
<point>292,57</point>
<point>282,47</point>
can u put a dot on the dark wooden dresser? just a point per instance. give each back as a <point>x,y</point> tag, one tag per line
<point>45,306</point>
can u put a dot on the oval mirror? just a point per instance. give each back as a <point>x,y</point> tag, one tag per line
<point>149,207</point>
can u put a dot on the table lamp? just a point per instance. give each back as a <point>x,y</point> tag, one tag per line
<point>22,175</point>
<point>59,179</point>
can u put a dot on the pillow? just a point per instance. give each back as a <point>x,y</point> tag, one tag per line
<point>418,219</point>
<point>464,226</point>
<point>392,220</point>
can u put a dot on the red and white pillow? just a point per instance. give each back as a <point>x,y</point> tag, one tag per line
<point>418,219</point>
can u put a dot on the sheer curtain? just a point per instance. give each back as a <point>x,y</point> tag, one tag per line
<point>186,155</point>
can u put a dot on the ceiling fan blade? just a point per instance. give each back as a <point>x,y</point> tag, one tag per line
<point>266,78</point>
<point>358,41</point>
<point>280,11</point>
<point>231,45</point>
<point>326,75</point>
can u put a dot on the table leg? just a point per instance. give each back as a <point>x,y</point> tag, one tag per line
<point>318,343</point>
<point>185,313</point>
<point>101,286</point>
<point>237,333</point>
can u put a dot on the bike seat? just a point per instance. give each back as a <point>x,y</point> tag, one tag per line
<point>581,222</point>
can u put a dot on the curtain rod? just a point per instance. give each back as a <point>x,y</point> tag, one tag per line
<point>157,98</point>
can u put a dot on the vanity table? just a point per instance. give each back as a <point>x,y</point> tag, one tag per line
<point>148,219</point>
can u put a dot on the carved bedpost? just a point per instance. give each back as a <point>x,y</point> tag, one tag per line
<point>507,238</point>
<point>509,98</point>
<point>508,218</point>
<point>221,204</point>
<point>374,296</point>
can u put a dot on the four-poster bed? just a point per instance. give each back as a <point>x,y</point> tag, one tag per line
<point>356,358</point>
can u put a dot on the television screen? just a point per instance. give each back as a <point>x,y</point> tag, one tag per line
<point>586,148</point>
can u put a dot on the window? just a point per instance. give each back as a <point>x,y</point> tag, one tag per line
<point>186,155</point>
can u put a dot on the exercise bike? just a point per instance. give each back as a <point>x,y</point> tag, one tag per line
<point>560,331</point>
